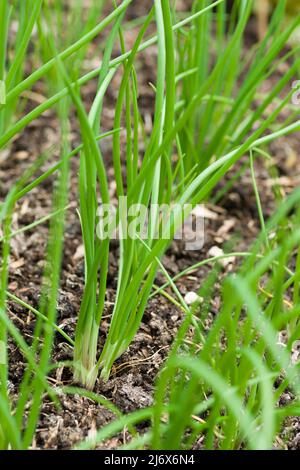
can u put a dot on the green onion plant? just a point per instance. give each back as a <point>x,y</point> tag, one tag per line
<point>211,110</point>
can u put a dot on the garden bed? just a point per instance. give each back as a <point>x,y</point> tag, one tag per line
<point>232,225</point>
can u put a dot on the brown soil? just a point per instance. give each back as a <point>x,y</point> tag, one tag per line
<point>234,222</point>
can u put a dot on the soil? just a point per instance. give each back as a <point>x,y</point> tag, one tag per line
<point>232,221</point>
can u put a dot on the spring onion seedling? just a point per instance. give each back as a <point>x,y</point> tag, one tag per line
<point>211,109</point>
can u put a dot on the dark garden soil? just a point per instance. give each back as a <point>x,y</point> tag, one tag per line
<point>231,223</point>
